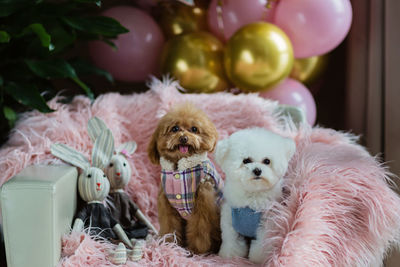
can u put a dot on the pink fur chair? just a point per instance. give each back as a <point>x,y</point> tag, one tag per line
<point>340,211</point>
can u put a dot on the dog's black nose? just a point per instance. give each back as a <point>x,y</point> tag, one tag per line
<point>183,139</point>
<point>257,171</point>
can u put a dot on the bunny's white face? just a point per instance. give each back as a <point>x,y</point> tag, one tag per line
<point>118,172</point>
<point>93,185</point>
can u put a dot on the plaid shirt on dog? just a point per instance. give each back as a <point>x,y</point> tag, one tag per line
<point>180,186</point>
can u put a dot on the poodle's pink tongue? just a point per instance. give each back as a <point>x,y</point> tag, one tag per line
<point>183,149</point>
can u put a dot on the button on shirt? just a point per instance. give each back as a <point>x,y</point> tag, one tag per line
<point>180,186</point>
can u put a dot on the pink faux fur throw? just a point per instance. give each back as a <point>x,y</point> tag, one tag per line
<point>341,210</point>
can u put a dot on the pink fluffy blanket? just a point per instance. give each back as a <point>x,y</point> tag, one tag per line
<point>340,211</point>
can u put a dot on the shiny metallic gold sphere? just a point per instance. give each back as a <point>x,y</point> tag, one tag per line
<point>195,59</point>
<point>258,56</point>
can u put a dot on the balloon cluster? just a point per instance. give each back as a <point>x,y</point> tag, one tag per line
<point>268,46</point>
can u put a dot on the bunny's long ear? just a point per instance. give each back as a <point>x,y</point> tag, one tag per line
<point>69,155</point>
<point>95,127</point>
<point>103,149</point>
<point>127,148</point>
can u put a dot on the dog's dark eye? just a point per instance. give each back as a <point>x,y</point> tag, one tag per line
<point>89,175</point>
<point>247,160</point>
<point>266,161</point>
<point>194,129</point>
<point>124,164</point>
<point>111,164</point>
<point>104,175</point>
<point>175,129</point>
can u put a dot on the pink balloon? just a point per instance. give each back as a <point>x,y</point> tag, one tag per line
<point>315,27</point>
<point>237,13</point>
<point>138,51</point>
<point>294,93</point>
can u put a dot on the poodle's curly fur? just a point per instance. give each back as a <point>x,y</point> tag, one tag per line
<point>200,233</point>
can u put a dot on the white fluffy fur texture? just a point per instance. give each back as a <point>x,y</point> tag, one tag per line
<point>242,189</point>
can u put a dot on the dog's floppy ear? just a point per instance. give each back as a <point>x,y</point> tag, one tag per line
<point>152,150</point>
<point>221,151</point>
<point>210,135</point>
<point>213,137</point>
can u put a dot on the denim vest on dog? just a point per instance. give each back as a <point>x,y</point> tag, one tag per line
<point>245,221</point>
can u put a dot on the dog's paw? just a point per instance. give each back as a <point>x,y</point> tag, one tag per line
<point>199,245</point>
<point>207,185</point>
<point>258,252</point>
<point>232,250</point>
<point>228,254</point>
<point>256,255</point>
<point>225,253</point>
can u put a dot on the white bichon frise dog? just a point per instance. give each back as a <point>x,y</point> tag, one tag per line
<point>254,161</point>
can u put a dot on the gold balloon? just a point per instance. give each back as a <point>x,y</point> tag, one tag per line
<point>177,18</point>
<point>195,59</point>
<point>258,56</point>
<point>307,70</point>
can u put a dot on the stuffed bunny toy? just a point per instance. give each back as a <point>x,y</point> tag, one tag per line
<point>93,187</point>
<point>118,171</point>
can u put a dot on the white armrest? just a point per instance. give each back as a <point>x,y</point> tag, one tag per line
<point>297,114</point>
<point>38,206</point>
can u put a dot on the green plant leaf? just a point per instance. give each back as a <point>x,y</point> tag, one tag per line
<point>99,25</point>
<point>40,31</point>
<point>83,68</point>
<point>28,95</point>
<point>57,68</point>
<point>52,68</point>
<point>60,37</point>
<point>96,2</point>
<point>10,115</point>
<point>86,88</point>
<point>110,43</point>
<point>4,37</point>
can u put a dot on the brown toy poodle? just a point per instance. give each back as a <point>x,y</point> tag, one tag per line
<point>190,185</point>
